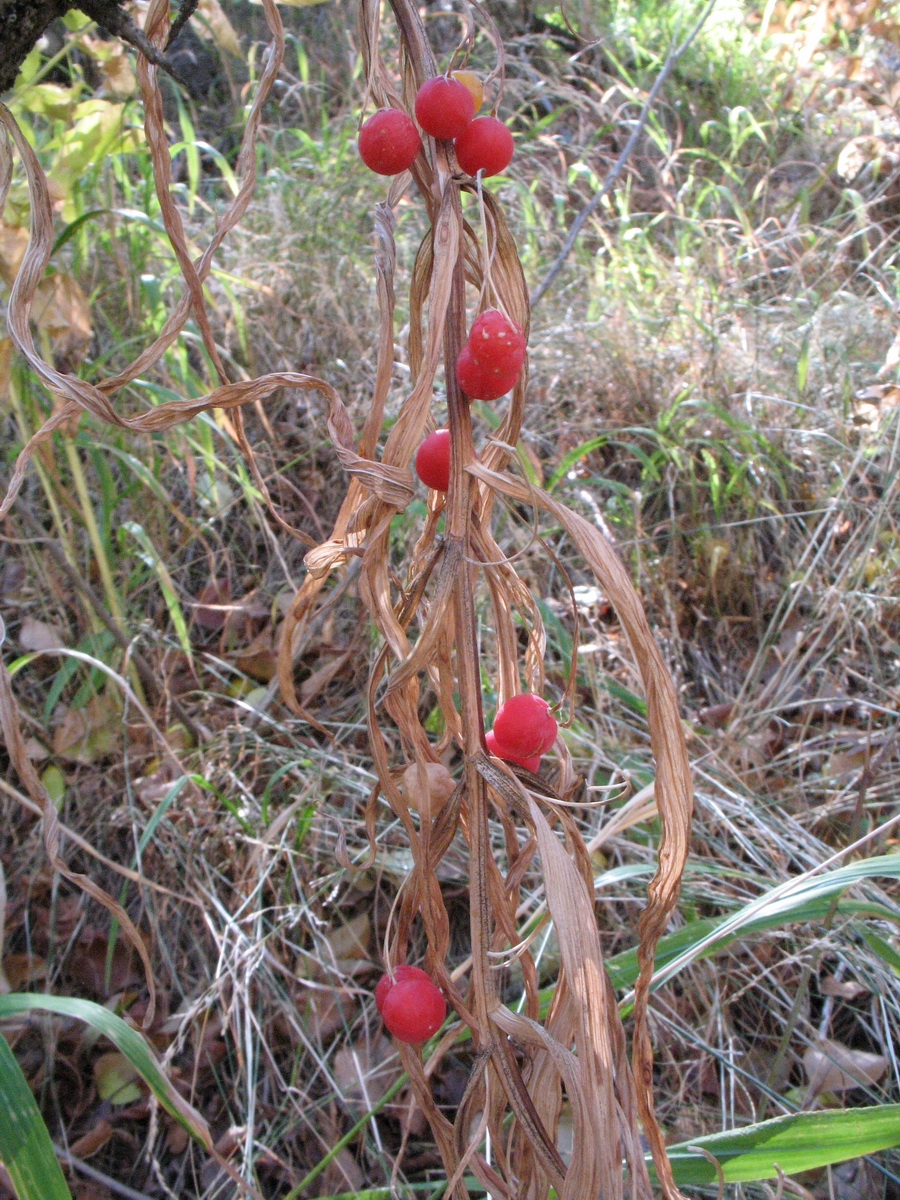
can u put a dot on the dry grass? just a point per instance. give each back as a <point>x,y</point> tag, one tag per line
<point>738,353</point>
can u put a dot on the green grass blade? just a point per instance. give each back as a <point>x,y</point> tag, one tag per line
<point>701,935</point>
<point>798,899</point>
<point>798,1142</point>
<point>148,553</point>
<point>127,1040</point>
<point>25,1147</point>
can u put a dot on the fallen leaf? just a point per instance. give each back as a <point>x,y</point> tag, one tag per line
<point>89,1189</point>
<point>13,242</point>
<point>88,964</point>
<point>833,1067</point>
<point>39,635</point>
<point>343,1172</point>
<point>364,1071</point>
<point>326,1011</point>
<point>22,969</point>
<point>87,734</point>
<point>845,989</point>
<point>258,659</point>
<point>352,940</point>
<point>313,687</point>
<point>61,308</point>
<point>116,1079</point>
<point>213,604</point>
<point>216,25</point>
<point>95,1139</point>
<point>177,1137</point>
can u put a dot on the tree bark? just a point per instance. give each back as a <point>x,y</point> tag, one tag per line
<point>21,24</point>
<point>23,21</point>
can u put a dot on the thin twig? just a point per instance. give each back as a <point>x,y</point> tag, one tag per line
<point>623,158</point>
<point>187,10</point>
<point>120,1189</point>
<point>112,18</point>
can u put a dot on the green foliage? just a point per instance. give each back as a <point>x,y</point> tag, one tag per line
<point>127,1041</point>
<point>25,1147</point>
<point>788,1145</point>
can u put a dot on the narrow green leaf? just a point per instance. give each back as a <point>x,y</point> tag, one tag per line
<point>623,967</point>
<point>25,1147</point>
<point>131,1043</point>
<point>148,553</point>
<point>883,949</point>
<point>798,1142</point>
<point>796,900</point>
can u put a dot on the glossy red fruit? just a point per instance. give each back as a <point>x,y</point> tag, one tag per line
<point>414,1010</point>
<point>524,726</point>
<point>401,971</point>
<point>483,383</point>
<point>484,145</point>
<point>530,764</point>
<point>496,342</point>
<point>444,107</point>
<point>389,141</point>
<point>433,460</point>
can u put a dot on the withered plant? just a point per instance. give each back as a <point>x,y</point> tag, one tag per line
<point>528,1063</point>
<point>426,616</point>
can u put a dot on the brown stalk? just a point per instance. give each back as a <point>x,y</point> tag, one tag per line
<point>580,1050</point>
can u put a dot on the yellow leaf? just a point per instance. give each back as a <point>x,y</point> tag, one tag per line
<point>218,26</point>
<point>53,780</point>
<point>116,1079</point>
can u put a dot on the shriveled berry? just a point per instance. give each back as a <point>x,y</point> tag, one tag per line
<point>444,107</point>
<point>414,1010</point>
<point>530,764</point>
<point>524,726</point>
<point>433,460</point>
<point>389,141</point>
<point>484,145</point>
<point>473,82</point>
<point>483,383</point>
<point>401,971</point>
<point>496,342</point>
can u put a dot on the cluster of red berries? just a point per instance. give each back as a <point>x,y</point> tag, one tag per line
<point>445,108</point>
<point>524,729</point>
<point>411,1005</point>
<point>487,367</point>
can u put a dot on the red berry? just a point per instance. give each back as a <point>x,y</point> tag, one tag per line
<point>484,145</point>
<point>414,1009</point>
<point>444,107</point>
<point>530,764</point>
<point>433,460</point>
<point>389,141</point>
<point>524,726</point>
<point>401,971</point>
<point>483,383</point>
<point>496,342</point>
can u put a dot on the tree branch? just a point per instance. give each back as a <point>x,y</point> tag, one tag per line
<point>23,23</point>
